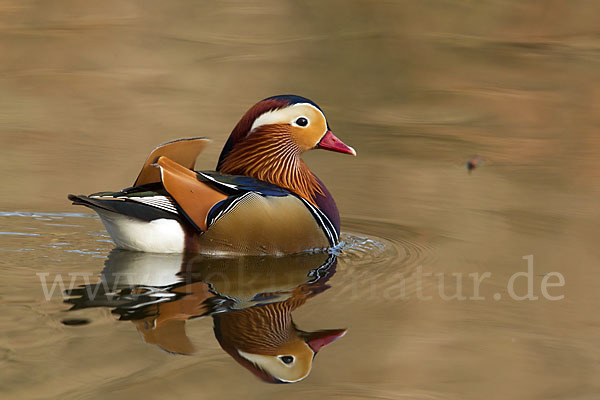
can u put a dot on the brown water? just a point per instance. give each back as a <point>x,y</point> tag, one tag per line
<point>87,89</point>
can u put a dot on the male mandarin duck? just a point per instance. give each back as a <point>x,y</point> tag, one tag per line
<point>262,198</point>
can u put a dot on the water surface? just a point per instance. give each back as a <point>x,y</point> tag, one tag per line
<point>87,90</point>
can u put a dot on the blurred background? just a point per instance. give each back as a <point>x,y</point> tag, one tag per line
<point>88,89</point>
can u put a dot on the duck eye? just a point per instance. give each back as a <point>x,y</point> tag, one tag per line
<point>302,121</point>
<point>286,359</point>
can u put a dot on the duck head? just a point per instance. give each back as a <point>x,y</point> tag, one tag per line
<point>268,141</point>
<point>265,340</point>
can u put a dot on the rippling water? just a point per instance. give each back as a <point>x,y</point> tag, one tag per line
<point>450,284</point>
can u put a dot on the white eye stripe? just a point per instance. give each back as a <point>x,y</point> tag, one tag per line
<point>282,115</point>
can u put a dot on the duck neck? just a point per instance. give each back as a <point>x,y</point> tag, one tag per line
<point>260,329</point>
<point>271,155</point>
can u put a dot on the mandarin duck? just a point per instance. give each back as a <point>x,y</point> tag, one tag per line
<point>250,299</point>
<point>262,198</point>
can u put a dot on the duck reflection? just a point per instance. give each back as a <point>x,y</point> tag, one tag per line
<point>250,300</point>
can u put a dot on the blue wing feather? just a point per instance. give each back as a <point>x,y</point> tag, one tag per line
<point>238,184</point>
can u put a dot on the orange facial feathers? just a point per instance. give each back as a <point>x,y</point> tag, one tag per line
<point>271,155</point>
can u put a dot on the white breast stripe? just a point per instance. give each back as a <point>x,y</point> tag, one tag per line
<point>321,271</point>
<point>230,207</point>
<point>325,223</point>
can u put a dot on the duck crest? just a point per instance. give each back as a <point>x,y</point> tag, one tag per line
<point>271,155</point>
<point>244,125</point>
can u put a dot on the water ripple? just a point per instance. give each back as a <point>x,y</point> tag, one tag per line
<point>44,214</point>
<point>19,234</point>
